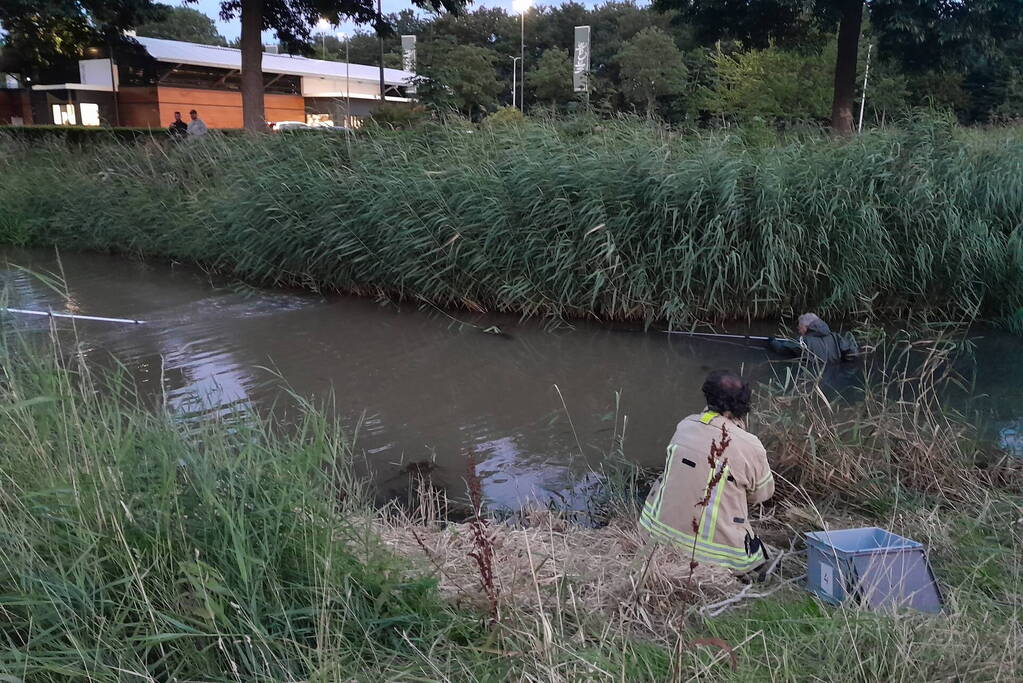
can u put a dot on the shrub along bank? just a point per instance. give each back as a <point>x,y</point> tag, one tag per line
<point>612,220</point>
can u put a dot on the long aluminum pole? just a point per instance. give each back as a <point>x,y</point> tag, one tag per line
<point>724,336</point>
<point>51,314</point>
<point>863,98</point>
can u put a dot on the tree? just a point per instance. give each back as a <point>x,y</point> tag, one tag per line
<point>651,66</point>
<point>918,33</point>
<point>183,23</point>
<point>292,21</point>
<point>783,85</point>
<point>551,78</point>
<point>42,33</point>
<point>459,77</point>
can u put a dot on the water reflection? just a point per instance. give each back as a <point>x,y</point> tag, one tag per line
<point>538,408</point>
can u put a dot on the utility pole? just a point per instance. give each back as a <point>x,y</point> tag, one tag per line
<point>348,88</point>
<point>515,87</point>
<point>522,6</point>
<point>863,97</point>
<point>113,83</point>
<point>522,60</point>
<point>380,37</point>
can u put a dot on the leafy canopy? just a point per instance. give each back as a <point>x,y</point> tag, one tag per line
<point>41,33</point>
<point>183,23</point>
<point>551,78</point>
<point>651,66</point>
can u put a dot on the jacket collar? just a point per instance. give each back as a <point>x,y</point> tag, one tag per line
<point>707,416</point>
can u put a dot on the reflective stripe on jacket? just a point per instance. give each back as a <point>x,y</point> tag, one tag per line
<point>723,535</point>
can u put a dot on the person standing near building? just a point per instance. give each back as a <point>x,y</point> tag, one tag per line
<point>196,127</point>
<point>715,470</point>
<point>178,128</point>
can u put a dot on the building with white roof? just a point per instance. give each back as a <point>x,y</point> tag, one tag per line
<point>170,76</point>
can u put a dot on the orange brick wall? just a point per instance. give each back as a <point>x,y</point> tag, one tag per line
<point>223,109</point>
<point>139,107</point>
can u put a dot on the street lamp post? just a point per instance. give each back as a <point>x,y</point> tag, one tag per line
<point>323,25</point>
<point>522,6</point>
<point>515,73</point>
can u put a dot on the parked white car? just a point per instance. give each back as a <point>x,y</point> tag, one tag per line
<point>290,125</point>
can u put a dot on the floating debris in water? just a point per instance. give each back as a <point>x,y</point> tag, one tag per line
<point>1010,439</point>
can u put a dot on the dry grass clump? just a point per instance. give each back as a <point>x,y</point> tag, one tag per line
<point>898,432</point>
<point>549,571</point>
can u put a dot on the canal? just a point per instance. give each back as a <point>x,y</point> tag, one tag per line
<point>539,406</point>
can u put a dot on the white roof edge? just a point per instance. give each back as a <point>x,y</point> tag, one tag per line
<point>73,86</point>
<point>357,96</point>
<point>180,52</point>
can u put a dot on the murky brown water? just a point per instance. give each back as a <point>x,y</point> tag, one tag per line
<point>539,408</point>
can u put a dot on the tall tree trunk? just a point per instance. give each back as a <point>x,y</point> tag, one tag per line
<point>651,105</point>
<point>252,66</point>
<point>845,66</point>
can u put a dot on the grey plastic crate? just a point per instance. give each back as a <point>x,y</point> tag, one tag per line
<point>872,566</point>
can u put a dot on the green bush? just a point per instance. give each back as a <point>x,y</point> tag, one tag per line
<point>626,222</point>
<point>505,116</point>
<point>90,135</point>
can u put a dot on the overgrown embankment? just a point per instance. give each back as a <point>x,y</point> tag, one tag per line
<point>617,221</point>
<point>137,543</point>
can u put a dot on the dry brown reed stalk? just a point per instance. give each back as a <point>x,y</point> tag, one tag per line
<point>900,432</point>
<point>575,575</point>
<point>482,551</point>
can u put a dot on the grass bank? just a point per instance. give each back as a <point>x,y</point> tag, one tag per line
<point>615,220</point>
<point>134,544</point>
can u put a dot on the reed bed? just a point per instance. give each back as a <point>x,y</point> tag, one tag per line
<point>134,545</point>
<point>894,434</point>
<point>617,221</point>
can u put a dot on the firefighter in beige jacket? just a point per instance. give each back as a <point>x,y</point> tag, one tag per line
<point>701,501</point>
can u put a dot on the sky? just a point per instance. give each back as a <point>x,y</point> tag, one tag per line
<point>231,29</point>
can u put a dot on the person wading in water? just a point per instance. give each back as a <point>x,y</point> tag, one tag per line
<point>816,340</point>
<point>700,507</point>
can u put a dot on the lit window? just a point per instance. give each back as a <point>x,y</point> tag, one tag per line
<point>90,114</point>
<point>64,115</point>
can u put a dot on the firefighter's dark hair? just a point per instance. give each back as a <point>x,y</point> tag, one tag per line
<point>725,391</point>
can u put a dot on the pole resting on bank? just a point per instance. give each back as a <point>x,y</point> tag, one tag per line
<point>75,316</point>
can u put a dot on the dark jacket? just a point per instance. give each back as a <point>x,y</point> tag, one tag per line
<point>819,342</point>
<point>178,129</point>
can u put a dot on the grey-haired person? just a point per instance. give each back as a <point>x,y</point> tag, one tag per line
<point>816,341</point>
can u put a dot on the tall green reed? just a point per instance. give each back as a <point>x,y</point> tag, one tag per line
<point>625,222</point>
<point>133,544</point>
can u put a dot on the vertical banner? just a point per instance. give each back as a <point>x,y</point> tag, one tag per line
<point>408,58</point>
<point>581,62</point>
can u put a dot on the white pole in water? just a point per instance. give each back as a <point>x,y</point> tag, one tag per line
<point>51,314</point>
<point>724,336</point>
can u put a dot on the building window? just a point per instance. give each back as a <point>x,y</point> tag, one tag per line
<point>64,115</point>
<point>90,113</point>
